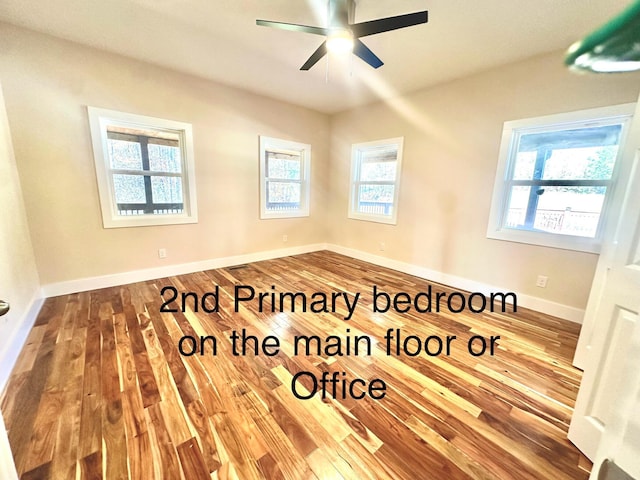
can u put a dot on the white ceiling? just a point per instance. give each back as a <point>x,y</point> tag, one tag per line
<point>219,40</point>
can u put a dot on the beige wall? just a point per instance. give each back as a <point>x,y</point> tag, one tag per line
<point>451,131</point>
<point>19,283</point>
<point>48,85</point>
<point>452,134</point>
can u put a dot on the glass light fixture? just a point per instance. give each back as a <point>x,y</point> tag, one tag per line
<point>614,47</point>
<point>340,41</point>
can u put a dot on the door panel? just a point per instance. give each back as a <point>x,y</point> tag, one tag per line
<point>610,378</point>
<point>610,342</point>
<point>621,438</point>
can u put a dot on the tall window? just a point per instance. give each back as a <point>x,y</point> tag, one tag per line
<point>284,178</point>
<point>557,177</point>
<point>145,169</point>
<point>375,179</point>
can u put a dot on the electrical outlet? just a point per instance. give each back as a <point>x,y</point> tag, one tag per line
<point>285,238</point>
<point>382,246</point>
<point>542,281</point>
<point>162,253</point>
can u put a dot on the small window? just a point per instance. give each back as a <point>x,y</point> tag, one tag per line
<point>145,169</point>
<point>556,175</point>
<point>375,179</point>
<point>284,178</point>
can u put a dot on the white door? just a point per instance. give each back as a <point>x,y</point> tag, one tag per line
<point>610,342</point>
<point>620,442</point>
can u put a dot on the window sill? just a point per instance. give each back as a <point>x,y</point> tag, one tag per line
<point>544,239</point>
<point>271,216</point>
<point>373,218</point>
<point>148,220</point>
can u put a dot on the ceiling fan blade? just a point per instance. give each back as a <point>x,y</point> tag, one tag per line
<point>294,27</point>
<point>362,51</point>
<point>390,23</point>
<point>317,55</point>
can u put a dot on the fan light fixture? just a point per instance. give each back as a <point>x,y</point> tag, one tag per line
<point>340,41</point>
<point>614,47</point>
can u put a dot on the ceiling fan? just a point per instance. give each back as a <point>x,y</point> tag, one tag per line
<point>342,35</point>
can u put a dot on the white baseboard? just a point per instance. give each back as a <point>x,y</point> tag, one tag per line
<point>13,346</point>
<point>92,283</point>
<point>528,301</point>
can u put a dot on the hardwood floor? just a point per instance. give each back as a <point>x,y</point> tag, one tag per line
<point>101,389</point>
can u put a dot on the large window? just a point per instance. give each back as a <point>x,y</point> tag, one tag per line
<point>375,179</point>
<point>284,178</point>
<point>555,178</point>
<point>145,169</point>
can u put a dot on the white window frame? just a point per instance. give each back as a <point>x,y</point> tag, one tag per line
<point>617,114</point>
<point>99,120</point>
<point>285,146</point>
<point>357,152</point>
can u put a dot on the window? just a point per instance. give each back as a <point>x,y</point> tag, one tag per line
<point>284,178</point>
<point>555,178</point>
<point>145,169</point>
<point>375,179</point>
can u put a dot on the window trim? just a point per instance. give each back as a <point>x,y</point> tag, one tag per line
<point>616,114</point>
<point>357,150</point>
<point>99,120</point>
<point>304,149</point>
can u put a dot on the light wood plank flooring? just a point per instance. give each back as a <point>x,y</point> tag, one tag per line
<point>101,390</point>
